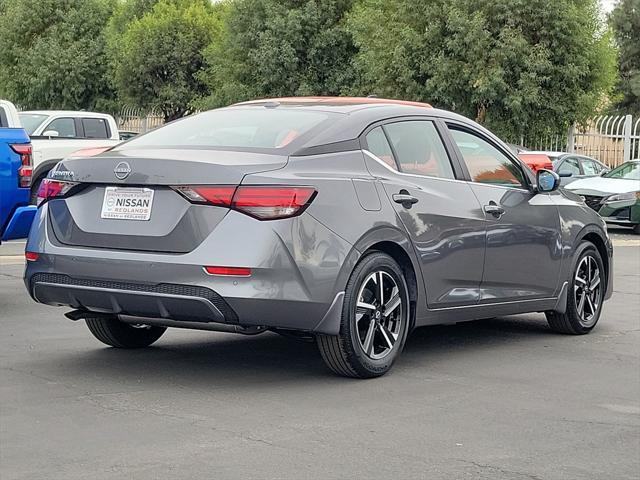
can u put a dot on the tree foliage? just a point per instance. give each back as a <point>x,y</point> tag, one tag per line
<point>519,66</point>
<point>625,21</point>
<point>52,53</point>
<point>158,55</point>
<point>280,48</point>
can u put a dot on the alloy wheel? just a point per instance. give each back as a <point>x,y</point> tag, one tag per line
<point>587,290</point>
<point>380,314</point>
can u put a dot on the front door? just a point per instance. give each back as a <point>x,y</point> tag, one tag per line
<point>440,213</point>
<point>524,254</point>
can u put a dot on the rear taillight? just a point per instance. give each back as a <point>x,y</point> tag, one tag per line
<point>269,203</point>
<point>26,168</point>
<point>50,188</point>
<point>264,202</point>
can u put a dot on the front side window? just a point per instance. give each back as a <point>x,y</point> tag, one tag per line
<point>419,149</point>
<point>95,128</point>
<point>487,164</point>
<point>66,127</point>
<point>378,145</point>
<point>570,165</point>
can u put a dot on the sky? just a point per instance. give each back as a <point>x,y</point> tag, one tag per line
<point>607,5</point>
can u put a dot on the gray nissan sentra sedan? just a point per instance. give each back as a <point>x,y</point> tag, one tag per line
<point>347,220</point>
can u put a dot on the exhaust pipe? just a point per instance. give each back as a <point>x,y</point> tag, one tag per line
<point>163,322</point>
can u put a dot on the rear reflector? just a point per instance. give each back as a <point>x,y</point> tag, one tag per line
<point>264,202</point>
<point>50,188</point>
<point>229,271</point>
<point>31,256</point>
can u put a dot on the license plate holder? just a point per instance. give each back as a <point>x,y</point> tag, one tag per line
<point>127,203</point>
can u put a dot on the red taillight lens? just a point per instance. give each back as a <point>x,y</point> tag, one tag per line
<point>31,256</point>
<point>270,203</point>
<point>229,271</point>
<point>26,158</point>
<point>50,188</point>
<point>219,195</point>
<point>264,202</point>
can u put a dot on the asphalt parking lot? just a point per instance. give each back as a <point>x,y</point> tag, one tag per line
<point>503,398</point>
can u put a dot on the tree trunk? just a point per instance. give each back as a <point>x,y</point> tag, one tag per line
<point>481,113</point>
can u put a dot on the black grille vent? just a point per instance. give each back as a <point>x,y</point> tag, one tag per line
<point>162,288</point>
<point>593,201</point>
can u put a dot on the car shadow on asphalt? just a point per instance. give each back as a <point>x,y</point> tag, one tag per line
<point>244,361</point>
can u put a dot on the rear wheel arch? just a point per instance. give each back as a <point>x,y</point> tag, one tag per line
<point>397,245</point>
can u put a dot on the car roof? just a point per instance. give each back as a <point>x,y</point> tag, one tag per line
<point>347,103</point>
<point>76,113</point>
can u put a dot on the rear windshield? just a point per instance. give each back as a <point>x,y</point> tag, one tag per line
<point>31,121</point>
<point>250,127</point>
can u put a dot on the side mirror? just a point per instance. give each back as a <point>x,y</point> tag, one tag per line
<point>51,133</point>
<point>547,181</point>
<point>602,173</point>
<point>566,174</point>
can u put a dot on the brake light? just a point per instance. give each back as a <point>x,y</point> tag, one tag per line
<point>264,202</point>
<point>50,188</point>
<point>26,159</point>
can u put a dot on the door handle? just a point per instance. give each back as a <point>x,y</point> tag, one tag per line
<point>494,209</point>
<point>405,199</point>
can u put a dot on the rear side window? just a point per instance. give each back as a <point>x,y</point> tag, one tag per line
<point>66,127</point>
<point>590,167</point>
<point>4,121</point>
<point>378,145</point>
<point>419,149</point>
<point>95,128</point>
<point>237,127</point>
<point>487,164</point>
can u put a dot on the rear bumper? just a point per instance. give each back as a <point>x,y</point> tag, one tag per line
<point>293,284</point>
<point>19,223</point>
<point>176,302</point>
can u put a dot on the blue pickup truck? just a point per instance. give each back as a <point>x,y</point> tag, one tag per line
<point>16,169</point>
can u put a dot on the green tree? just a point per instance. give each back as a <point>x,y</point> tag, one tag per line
<point>625,21</point>
<point>158,55</point>
<point>52,53</point>
<point>280,48</point>
<point>519,66</point>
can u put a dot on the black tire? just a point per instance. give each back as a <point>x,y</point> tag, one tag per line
<point>345,352</point>
<point>115,333</point>
<point>636,229</point>
<point>572,322</point>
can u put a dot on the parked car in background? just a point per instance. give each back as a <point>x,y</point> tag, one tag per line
<point>615,195</point>
<point>351,220</point>
<point>536,161</point>
<point>126,135</point>
<point>57,133</point>
<point>572,167</point>
<point>16,214</point>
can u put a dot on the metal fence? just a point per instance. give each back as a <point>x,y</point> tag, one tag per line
<point>131,119</point>
<point>612,139</point>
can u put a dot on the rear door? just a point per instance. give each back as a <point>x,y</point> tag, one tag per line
<point>440,212</point>
<point>524,253</point>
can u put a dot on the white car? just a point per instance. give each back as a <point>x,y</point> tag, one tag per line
<point>55,134</point>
